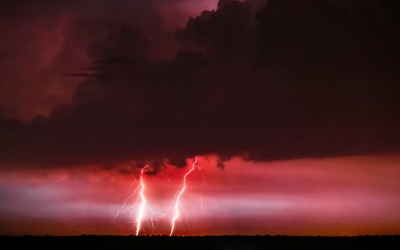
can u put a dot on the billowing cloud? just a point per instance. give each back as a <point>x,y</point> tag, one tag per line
<point>290,79</point>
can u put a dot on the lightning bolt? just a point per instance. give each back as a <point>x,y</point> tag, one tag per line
<point>142,205</point>
<point>178,198</point>
<point>143,210</point>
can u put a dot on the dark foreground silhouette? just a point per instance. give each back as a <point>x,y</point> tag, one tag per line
<point>200,242</point>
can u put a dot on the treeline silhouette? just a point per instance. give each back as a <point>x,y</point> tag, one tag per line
<point>100,242</point>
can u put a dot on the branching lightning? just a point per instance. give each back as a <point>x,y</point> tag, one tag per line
<point>178,198</point>
<point>125,207</point>
<point>141,208</point>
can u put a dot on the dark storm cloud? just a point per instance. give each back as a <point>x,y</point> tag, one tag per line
<point>43,40</point>
<point>294,79</point>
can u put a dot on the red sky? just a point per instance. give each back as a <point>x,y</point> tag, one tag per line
<point>291,108</point>
<point>353,195</point>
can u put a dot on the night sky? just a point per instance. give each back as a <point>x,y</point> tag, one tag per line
<point>291,109</point>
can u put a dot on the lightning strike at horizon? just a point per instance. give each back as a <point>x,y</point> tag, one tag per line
<point>177,202</point>
<point>142,205</point>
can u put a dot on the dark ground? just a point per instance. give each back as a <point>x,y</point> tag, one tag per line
<point>203,242</point>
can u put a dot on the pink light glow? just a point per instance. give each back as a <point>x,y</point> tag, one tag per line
<point>334,196</point>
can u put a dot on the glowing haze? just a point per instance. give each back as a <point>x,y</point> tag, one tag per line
<point>199,117</point>
<point>333,196</point>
